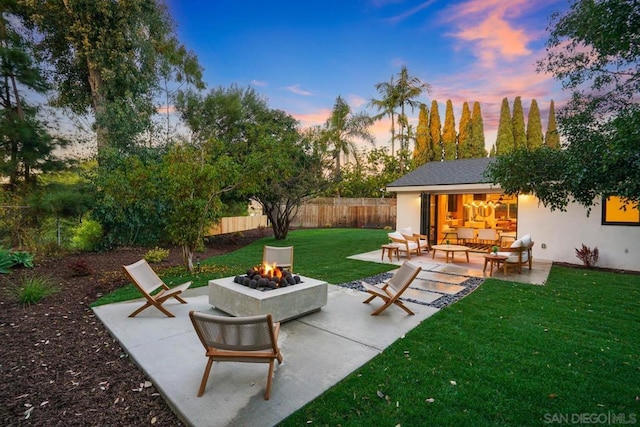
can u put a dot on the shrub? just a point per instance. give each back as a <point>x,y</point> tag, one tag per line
<point>80,268</point>
<point>156,255</point>
<point>33,288</point>
<point>87,235</point>
<point>588,257</point>
<point>22,258</point>
<point>6,260</point>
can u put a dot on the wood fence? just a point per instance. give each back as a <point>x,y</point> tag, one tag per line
<point>347,212</point>
<point>233,224</point>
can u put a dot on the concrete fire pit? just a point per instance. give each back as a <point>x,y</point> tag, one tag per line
<point>283,303</point>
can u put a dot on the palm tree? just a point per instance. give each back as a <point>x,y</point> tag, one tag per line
<point>407,88</point>
<point>386,106</point>
<point>340,130</point>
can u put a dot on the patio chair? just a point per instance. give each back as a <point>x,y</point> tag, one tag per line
<point>420,239</point>
<point>465,235</point>
<point>519,253</point>
<point>404,245</point>
<point>252,339</point>
<point>147,282</point>
<point>487,235</point>
<point>392,290</point>
<point>280,256</point>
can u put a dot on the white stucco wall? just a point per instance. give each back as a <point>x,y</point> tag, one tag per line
<point>560,232</point>
<point>408,211</point>
<point>563,232</point>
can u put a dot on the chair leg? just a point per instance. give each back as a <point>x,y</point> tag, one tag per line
<point>138,311</point>
<point>205,377</point>
<point>404,307</point>
<point>369,299</point>
<point>267,393</point>
<point>179,298</point>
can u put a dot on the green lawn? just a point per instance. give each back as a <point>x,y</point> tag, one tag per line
<point>318,253</point>
<point>507,354</point>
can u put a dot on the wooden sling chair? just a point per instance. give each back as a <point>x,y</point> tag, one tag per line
<point>237,339</point>
<point>147,282</point>
<point>280,256</point>
<point>392,290</point>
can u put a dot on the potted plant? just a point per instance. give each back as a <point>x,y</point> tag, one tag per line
<point>494,249</point>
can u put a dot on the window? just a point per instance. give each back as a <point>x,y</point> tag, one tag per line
<point>614,214</point>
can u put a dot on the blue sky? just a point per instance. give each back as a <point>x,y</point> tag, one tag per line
<point>301,55</point>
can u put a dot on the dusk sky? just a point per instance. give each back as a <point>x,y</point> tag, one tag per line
<point>300,55</point>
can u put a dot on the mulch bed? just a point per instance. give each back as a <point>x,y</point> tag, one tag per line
<point>58,363</point>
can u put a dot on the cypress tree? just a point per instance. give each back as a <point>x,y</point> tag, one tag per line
<point>434,130</point>
<point>552,138</point>
<point>492,152</point>
<point>517,120</point>
<point>449,133</point>
<point>423,152</point>
<point>464,133</point>
<point>534,126</point>
<point>477,133</point>
<point>504,139</point>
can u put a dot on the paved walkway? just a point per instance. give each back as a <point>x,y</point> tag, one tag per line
<point>319,349</point>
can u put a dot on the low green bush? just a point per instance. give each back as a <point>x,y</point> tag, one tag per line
<point>87,235</point>
<point>156,255</point>
<point>32,289</point>
<point>22,258</point>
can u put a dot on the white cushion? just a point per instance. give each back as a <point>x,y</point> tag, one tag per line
<point>396,235</point>
<point>406,230</point>
<point>412,246</point>
<point>516,243</point>
<point>512,257</point>
<point>526,240</point>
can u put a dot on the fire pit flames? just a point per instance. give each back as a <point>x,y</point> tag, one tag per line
<point>267,277</point>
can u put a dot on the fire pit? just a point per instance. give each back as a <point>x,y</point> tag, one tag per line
<point>267,277</point>
<point>286,298</point>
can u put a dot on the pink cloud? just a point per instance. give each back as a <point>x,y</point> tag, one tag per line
<point>298,91</point>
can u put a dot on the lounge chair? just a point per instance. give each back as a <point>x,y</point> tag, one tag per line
<point>519,253</point>
<point>280,256</point>
<point>404,245</point>
<point>147,282</point>
<point>392,290</point>
<point>251,339</point>
<point>465,235</point>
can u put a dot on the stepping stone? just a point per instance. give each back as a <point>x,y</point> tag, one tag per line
<point>439,277</point>
<point>443,288</point>
<point>422,296</point>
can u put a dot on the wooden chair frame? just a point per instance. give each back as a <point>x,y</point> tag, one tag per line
<point>405,246</point>
<point>252,339</point>
<point>520,250</point>
<point>147,282</point>
<point>391,291</point>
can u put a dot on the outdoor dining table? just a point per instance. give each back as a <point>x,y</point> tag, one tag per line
<point>450,249</point>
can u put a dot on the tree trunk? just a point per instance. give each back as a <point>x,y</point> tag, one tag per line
<point>187,257</point>
<point>99,103</point>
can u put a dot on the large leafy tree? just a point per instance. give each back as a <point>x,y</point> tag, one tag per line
<point>108,58</point>
<point>284,170</point>
<point>194,178</point>
<point>26,146</point>
<point>370,177</point>
<point>279,166</point>
<point>594,51</point>
<point>504,138</point>
<point>534,126</point>
<point>449,133</point>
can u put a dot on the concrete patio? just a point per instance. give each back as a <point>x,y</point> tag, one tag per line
<point>319,349</point>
